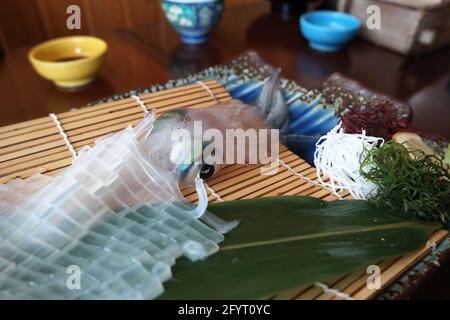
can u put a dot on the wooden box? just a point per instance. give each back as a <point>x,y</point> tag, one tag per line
<point>409,27</point>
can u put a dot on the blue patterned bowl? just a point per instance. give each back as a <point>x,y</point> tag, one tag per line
<point>193,19</point>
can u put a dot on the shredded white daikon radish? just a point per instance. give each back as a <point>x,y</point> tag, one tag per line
<point>337,157</point>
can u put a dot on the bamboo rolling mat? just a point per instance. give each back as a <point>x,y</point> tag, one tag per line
<point>39,146</point>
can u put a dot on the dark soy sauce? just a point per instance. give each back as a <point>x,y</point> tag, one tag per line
<point>66,59</point>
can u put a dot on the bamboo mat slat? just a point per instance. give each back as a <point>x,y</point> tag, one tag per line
<point>37,146</point>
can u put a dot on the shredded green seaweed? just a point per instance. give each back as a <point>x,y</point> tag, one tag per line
<point>409,182</point>
<point>447,155</point>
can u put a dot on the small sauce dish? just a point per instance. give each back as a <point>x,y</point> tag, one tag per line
<point>69,62</point>
<point>328,31</point>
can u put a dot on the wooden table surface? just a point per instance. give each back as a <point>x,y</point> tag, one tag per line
<point>152,53</point>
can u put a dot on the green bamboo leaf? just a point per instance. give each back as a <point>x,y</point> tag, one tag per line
<point>286,242</point>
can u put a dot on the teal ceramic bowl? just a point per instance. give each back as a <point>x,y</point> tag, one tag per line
<point>328,30</point>
<point>193,19</point>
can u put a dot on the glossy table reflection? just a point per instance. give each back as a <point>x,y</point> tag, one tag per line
<point>152,53</point>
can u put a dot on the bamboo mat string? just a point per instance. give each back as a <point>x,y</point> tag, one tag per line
<point>213,193</point>
<point>63,134</point>
<point>289,168</point>
<point>140,102</point>
<point>432,244</point>
<point>335,292</point>
<point>208,89</point>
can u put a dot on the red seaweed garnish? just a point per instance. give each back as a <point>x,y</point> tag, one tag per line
<point>378,119</point>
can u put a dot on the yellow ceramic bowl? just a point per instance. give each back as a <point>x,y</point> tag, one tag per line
<point>69,61</point>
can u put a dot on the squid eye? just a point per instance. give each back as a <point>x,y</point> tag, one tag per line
<point>207,171</point>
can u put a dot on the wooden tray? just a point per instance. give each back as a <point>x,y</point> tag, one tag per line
<point>38,146</point>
